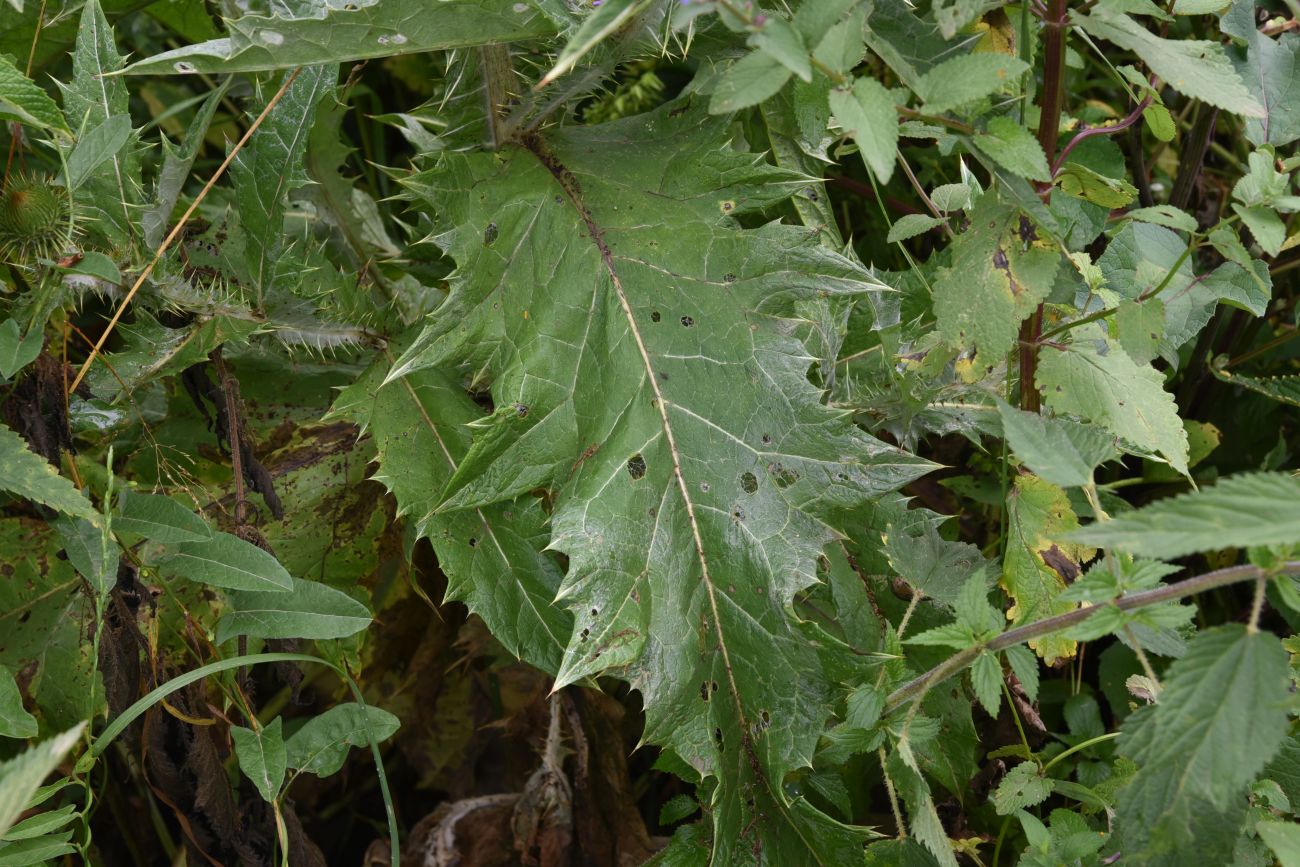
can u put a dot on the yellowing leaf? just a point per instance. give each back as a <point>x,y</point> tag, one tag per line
<point>1038,565</point>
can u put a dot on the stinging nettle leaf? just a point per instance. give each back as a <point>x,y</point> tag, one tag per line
<point>229,562</point>
<point>1110,389</point>
<point>966,78</point>
<point>1195,68</point>
<point>687,498</point>
<point>1222,715</point>
<point>748,81</point>
<point>1059,450</point>
<point>1015,148</point>
<point>1240,511</point>
<point>310,610</point>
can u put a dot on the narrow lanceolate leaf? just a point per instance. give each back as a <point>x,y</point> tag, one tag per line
<point>229,562</point>
<point>1195,68</point>
<point>28,475</point>
<point>91,100</point>
<point>22,775</point>
<point>1038,566</point>
<point>262,756</point>
<point>1109,388</point>
<point>1239,512</point>
<point>694,468</point>
<point>158,519</point>
<point>1221,717</point>
<point>310,610</point>
<point>492,554</point>
<point>1001,271</point>
<point>175,167</point>
<point>341,33</point>
<point>22,100</point>
<point>270,167</point>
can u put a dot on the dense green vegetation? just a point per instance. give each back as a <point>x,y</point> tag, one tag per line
<point>555,432</point>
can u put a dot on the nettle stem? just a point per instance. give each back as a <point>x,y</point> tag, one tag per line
<point>918,686</point>
<point>1049,123</point>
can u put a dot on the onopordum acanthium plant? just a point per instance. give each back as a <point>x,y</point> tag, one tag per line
<point>827,433</point>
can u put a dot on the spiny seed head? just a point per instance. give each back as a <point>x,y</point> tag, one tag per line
<point>34,218</point>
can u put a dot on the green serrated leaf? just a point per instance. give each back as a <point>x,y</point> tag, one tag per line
<point>1059,450</point>
<point>986,681</point>
<point>1284,839</point>
<point>22,100</point>
<point>911,225</point>
<point>1001,271</point>
<point>969,77</point>
<point>1195,68</point>
<point>262,756</point>
<point>31,477</point>
<point>748,81</point>
<point>1241,511</point>
<point>1023,786</point>
<point>1284,389</point>
<point>226,561</point>
<point>270,167</point>
<point>1079,181</point>
<point>310,610</point>
<point>1221,717</point>
<point>1112,390</point>
<point>867,113</point>
<point>1014,148</point>
<point>16,350</point>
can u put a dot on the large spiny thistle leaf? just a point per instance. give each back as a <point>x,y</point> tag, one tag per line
<point>641,352</point>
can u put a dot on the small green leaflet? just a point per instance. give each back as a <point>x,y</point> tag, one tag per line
<point>1221,717</point>
<point>227,561</point>
<point>92,551</point>
<point>31,476</point>
<point>1284,839</point>
<point>262,756</point>
<point>1237,512</point>
<point>911,225</point>
<point>1022,787</point>
<point>310,610</point>
<point>321,746</point>
<point>17,351</point>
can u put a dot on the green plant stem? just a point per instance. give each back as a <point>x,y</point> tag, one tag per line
<point>1168,593</point>
<point>1090,742</point>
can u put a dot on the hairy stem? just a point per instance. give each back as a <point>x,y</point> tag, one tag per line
<point>1168,593</point>
<point>1049,124</point>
